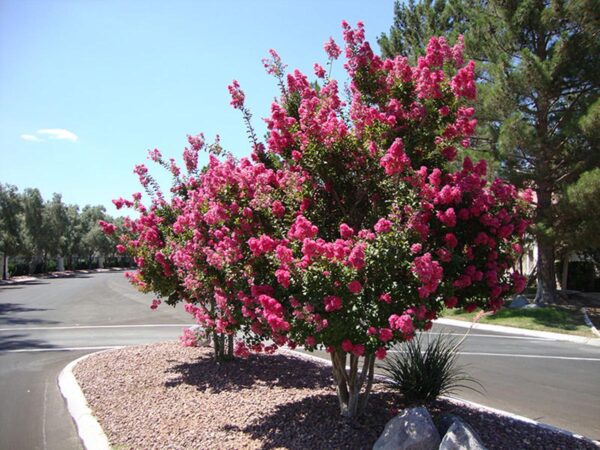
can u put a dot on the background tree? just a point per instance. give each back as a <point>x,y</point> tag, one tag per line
<point>10,227</point>
<point>35,229</point>
<point>56,222</point>
<point>72,237</point>
<point>578,227</point>
<point>539,74</point>
<point>94,242</point>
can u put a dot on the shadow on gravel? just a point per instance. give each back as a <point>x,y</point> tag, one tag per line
<point>20,342</point>
<point>294,425</point>
<point>8,311</point>
<point>269,370</point>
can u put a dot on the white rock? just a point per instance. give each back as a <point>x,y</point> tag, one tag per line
<point>413,429</point>
<point>461,436</point>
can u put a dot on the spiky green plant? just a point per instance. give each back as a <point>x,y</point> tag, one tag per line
<point>422,372</point>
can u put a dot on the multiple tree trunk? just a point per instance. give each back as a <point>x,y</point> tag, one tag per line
<point>353,387</point>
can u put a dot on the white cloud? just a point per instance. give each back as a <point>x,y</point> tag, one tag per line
<point>45,134</point>
<point>58,133</point>
<point>31,138</point>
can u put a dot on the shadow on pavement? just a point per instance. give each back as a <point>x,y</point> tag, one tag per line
<point>8,316</point>
<point>20,342</point>
<point>21,284</point>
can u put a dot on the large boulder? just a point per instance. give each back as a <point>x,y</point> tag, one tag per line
<point>413,429</point>
<point>460,436</point>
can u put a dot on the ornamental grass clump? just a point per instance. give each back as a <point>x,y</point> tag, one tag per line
<point>349,229</point>
<point>421,372</point>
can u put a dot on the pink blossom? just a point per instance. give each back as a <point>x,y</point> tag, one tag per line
<point>383,226</point>
<point>347,345</point>
<point>395,160</point>
<point>241,350</point>
<point>332,303</point>
<point>357,256</point>
<point>447,217</point>
<point>237,95</point>
<point>403,323</point>
<point>385,334</point>
<point>310,341</point>
<point>283,277</point>
<point>451,302</point>
<point>155,303</point>
<point>463,83</point>
<point>319,70</point>
<point>107,228</point>
<point>380,353</point>
<point>450,240</point>
<point>302,228</point>
<point>346,232</point>
<point>332,49</point>
<point>416,248</point>
<point>429,273</point>
<point>278,209</point>
<point>386,298</point>
<point>355,287</point>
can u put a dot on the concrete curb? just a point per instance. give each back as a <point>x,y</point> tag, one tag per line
<point>461,401</point>
<point>520,331</point>
<point>89,430</point>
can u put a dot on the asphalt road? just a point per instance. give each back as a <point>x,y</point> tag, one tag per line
<point>47,324</point>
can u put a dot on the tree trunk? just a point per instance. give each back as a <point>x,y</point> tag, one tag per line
<point>221,352</point>
<point>546,291</point>
<point>60,264</point>
<point>4,266</point>
<point>350,382</point>
<point>230,346</point>
<point>565,272</point>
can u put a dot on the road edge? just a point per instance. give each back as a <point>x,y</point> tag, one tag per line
<point>521,331</point>
<point>89,430</point>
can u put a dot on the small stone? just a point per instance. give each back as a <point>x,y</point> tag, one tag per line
<point>413,429</point>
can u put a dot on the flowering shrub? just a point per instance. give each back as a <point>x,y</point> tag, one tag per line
<point>349,230</point>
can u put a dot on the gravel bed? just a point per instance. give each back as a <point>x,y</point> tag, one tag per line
<point>164,396</point>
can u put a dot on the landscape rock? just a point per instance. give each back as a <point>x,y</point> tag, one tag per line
<point>460,436</point>
<point>445,421</point>
<point>413,429</point>
<point>519,302</point>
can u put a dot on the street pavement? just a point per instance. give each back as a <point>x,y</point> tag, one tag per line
<point>50,322</point>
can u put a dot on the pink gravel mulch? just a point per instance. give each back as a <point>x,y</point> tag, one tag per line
<point>164,396</point>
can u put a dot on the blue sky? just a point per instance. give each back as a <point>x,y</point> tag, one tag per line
<point>88,86</point>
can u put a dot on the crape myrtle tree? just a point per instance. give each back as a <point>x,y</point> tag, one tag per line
<point>347,230</point>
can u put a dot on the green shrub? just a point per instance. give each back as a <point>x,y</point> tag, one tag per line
<point>423,372</point>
